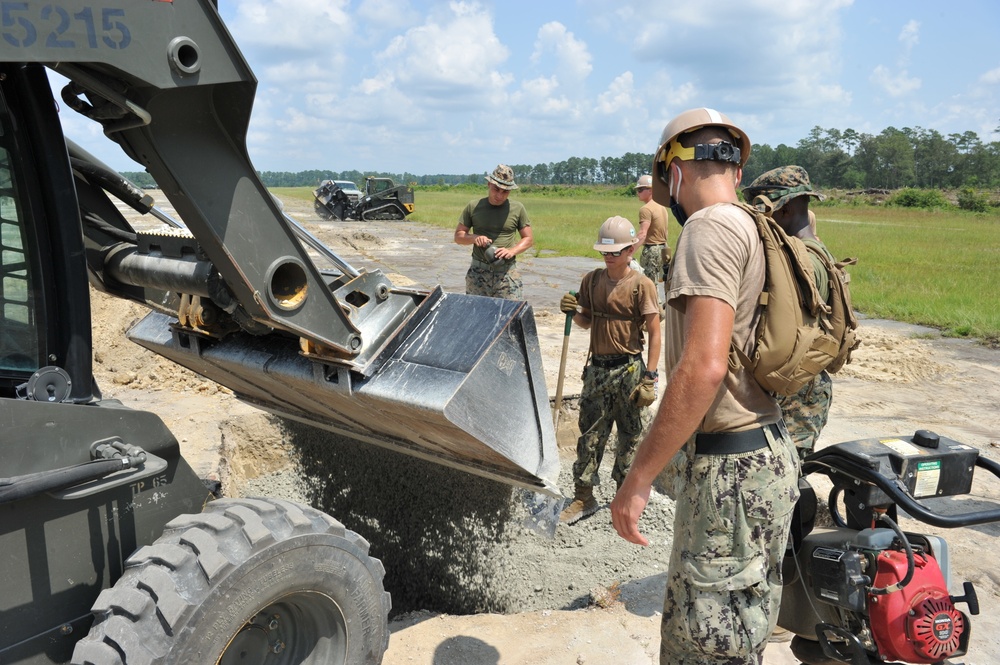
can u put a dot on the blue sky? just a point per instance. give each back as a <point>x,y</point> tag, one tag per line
<point>457,87</point>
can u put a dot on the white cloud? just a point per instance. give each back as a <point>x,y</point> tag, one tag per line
<point>764,56</point>
<point>291,25</point>
<point>456,54</point>
<point>573,59</point>
<point>991,77</point>
<point>619,97</point>
<point>909,37</point>
<point>895,85</point>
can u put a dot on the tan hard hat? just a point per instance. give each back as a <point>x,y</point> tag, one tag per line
<point>615,233</point>
<point>644,181</point>
<point>685,122</point>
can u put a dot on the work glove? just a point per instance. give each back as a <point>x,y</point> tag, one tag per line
<point>568,304</point>
<point>645,393</point>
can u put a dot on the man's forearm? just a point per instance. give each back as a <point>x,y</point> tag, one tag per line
<point>687,398</point>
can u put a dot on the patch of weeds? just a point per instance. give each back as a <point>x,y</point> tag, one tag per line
<point>959,331</point>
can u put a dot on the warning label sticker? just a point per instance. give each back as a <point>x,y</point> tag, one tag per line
<point>904,448</point>
<point>928,478</point>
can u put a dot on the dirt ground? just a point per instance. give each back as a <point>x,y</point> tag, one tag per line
<point>584,596</point>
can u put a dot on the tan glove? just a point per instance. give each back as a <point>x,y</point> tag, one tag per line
<point>568,303</point>
<point>645,393</point>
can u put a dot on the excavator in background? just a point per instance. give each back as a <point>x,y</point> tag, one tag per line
<point>114,551</point>
<point>382,200</point>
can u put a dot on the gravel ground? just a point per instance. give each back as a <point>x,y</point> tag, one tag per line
<point>461,544</point>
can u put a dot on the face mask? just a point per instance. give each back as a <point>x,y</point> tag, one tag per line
<point>675,208</point>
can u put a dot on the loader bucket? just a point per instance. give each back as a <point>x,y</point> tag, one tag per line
<point>461,384</point>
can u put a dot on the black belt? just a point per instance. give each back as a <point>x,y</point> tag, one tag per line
<point>732,443</point>
<point>607,362</point>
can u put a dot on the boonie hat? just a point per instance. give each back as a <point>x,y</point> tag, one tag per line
<point>644,181</point>
<point>780,186</point>
<point>615,233</point>
<point>502,177</point>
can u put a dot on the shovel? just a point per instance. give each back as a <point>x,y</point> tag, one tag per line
<point>562,368</point>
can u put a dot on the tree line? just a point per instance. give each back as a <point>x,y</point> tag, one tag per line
<point>892,159</point>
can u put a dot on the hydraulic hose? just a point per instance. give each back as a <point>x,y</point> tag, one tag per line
<point>910,564</point>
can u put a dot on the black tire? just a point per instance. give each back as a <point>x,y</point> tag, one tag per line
<point>246,581</point>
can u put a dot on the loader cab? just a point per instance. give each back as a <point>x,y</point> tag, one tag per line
<point>375,185</point>
<point>44,310</point>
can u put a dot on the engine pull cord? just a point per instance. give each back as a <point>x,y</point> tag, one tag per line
<point>910,563</point>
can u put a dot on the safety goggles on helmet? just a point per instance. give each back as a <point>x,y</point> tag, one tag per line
<point>716,152</point>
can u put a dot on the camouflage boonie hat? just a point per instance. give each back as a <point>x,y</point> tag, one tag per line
<point>780,186</point>
<point>502,177</point>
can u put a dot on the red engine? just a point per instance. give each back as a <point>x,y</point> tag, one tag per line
<point>918,623</point>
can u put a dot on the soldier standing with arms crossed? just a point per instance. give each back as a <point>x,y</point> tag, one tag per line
<point>738,479</point>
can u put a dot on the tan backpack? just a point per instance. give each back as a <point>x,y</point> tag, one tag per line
<point>798,335</point>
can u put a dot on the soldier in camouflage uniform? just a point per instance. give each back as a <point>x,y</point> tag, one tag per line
<point>784,193</point>
<point>498,230</point>
<point>738,475</point>
<point>613,304</point>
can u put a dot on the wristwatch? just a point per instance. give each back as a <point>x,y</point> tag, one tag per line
<point>651,375</point>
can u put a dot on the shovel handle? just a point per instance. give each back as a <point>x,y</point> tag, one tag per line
<point>562,366</point>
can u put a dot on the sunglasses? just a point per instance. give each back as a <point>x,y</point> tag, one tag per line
<point>618,253</point>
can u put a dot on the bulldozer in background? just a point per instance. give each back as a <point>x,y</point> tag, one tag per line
<point>381,200</point>
<point>114,551</point>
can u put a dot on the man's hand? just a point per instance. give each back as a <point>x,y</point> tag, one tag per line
<point>505,253</point>
<point>645,393</point>
<point>482,241</point>
<point>626,509</point>
<point>568,303</point>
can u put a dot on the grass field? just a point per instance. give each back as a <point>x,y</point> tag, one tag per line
<point>934,268</point>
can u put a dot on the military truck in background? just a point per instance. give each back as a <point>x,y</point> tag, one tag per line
<point>114,551</point>
<point>382,200</point>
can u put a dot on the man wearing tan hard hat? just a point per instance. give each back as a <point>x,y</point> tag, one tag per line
<point>498,230</point>
<point>732,467</point>
<point>655,256</point>
<point>613,304</point>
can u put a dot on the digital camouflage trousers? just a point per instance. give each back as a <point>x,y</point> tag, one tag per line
<point>604,401</point>
<point>806,411</point>
<point>651,260</point>
<point>724,578</point>
<point>504,284</point>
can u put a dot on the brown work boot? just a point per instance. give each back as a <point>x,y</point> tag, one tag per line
<point>779,635</point>
<point>582,505</point>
